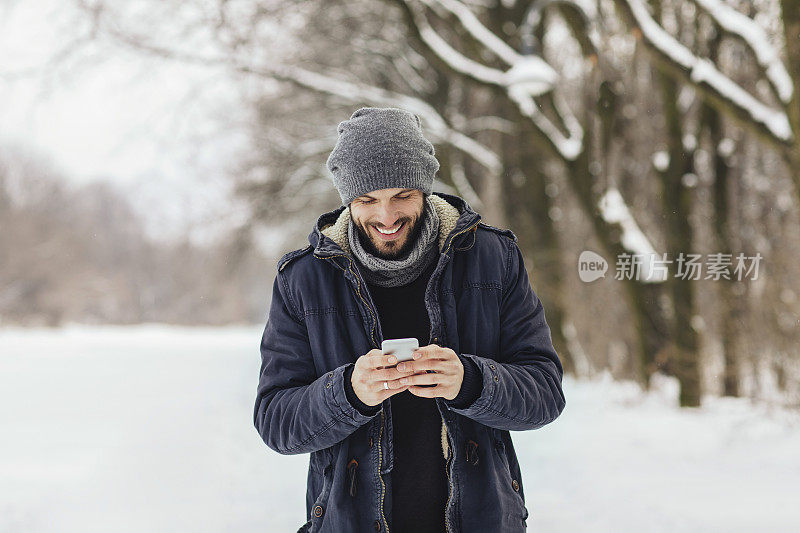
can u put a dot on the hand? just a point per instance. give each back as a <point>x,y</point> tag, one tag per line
<point>371,371</point>
<point>449,373</point>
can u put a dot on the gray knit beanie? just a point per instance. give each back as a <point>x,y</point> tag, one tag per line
<point>381,148</point>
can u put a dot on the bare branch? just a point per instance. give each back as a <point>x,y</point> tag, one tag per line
<point>359,92</point>
<point>437,126</point>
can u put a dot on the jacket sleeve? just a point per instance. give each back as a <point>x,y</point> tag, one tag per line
<point>297,411</point>
<point>524,391</point>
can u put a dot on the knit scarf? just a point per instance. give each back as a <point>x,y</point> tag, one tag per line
<point>398,272</point>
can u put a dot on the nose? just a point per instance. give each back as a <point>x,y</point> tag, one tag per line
<point>386,217</point>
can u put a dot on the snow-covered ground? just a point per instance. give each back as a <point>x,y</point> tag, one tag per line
<point>149,428</point>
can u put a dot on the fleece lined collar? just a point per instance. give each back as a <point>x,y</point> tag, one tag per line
<point>448,216</point>
<point>330,232</point>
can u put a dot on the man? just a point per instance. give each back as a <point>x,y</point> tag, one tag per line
<point>422,445</point>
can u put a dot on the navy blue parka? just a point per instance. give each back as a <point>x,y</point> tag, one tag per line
<point>480,304</point>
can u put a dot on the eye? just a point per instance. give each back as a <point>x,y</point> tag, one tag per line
<point>406,197</point>
<point>367,201</point>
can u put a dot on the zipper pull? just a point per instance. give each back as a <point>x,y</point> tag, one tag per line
<point>351,472</point>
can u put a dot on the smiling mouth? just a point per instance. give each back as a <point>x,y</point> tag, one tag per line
<point>388,234</point>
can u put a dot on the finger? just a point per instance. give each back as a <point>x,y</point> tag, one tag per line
<point>426,392</point>
<point>423,379</point>
<point>391,392</point>
<point>378,386</point>
<point>386,374</point>
<point>437,365</point>
<point>431,351</point>
<point>378,360</point>
<point>367,360</point>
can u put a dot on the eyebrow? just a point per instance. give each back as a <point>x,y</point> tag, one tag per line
<point>404,191</point>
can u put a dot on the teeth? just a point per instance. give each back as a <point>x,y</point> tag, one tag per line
<point>389,232</point>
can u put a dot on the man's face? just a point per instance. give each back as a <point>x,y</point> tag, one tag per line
<point>397,213</point>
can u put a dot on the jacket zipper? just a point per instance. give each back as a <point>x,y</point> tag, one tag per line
<point>448,469</point>
<point>451,454</point>
<point>383,415</point>
<point>470,228</point>
<point>374,343</point>
<point>358,290</point>
<point>449,463</point>
<point>383,486</point>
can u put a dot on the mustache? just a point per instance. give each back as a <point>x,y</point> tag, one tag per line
<point>395,225</point>
<point>399,220</point>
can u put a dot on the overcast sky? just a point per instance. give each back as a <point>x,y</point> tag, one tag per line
<point>163,131</point>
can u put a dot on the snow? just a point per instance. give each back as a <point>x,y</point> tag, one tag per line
<point>614,210</point>
<point>726,147</point>
<point>690,179</point>
<point>434,124</point>
<point>456,60</point>
<point>754,35</point>
<point>480,32</point>
<point>689,142</point>
<point>661,160</point>
<point>775,121</point>
<point>568,148</point>
<point>527,76</point>
<point>702,70</point>
<point>532,75</point>
<point>149,428</point>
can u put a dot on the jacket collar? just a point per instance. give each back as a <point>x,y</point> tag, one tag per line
<point>329,236</point>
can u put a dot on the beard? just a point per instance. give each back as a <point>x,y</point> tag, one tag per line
<point>414,226</point>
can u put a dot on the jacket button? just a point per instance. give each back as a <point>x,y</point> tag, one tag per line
<point>318,510</point>
<point>492,366</point>
<point>496,378</point>
<point>515,485</point>
<point>377,525</point>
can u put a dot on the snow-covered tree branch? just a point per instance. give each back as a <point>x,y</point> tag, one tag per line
<point>704,75</point>
<point>352,91</point>
<point>733,22</point>
<point>528,76</point>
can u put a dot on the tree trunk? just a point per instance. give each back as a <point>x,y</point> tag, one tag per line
<point>731,306</point>
<point>791,26</point>
<point>677,210</point>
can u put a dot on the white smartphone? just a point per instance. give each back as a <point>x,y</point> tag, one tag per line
<point>402,349</point>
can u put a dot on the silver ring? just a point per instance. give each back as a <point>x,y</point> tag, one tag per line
<point>385,385</point>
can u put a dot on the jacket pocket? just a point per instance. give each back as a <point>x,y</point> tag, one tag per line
<point>320,504</point>
<point>512,482</point>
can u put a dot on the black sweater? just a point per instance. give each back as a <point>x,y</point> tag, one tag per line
<point>419,487</point>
